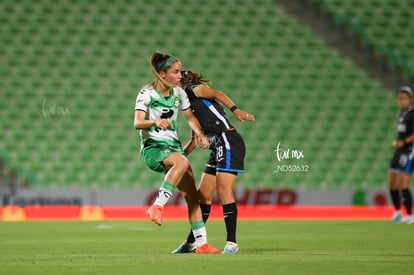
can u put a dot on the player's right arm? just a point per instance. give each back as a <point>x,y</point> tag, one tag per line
<point>141,108</point>
<point>140,121</point>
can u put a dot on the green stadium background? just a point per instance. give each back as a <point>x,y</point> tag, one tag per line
<point>70,72</point>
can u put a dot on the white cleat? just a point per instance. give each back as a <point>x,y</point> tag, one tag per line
<point>230,248</point>
<point>185,247</point>
<point>407,220</point>
<point>396,218</point>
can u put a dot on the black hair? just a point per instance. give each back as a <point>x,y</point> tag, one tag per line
<point>189,77</point>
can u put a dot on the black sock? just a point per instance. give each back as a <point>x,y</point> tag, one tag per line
<point>230,219</point>
<point>395,198</point>
<point>408,200</point>
<point>205,212</point>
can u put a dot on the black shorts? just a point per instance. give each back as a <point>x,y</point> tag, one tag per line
<point>227,153</point>
<point>402,161</point>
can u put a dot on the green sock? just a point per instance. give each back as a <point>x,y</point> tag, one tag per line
<point>168,186</point>
<point>165,193</point>
<point>199,232</point>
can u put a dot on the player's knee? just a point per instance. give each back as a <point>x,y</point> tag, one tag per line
<point>225,192</point>
<point>183,164</point>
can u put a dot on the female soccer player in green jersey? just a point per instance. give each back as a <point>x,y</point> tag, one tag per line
<point>156,111</point>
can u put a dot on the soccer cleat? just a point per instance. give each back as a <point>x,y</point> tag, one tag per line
<point>407,220</point>
<point>396,217</point>
<point>230,248</point>
<point>154,213</point>
<point>185,247</point>
<point>207,249</point>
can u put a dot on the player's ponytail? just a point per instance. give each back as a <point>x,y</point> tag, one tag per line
<point>189,77</point>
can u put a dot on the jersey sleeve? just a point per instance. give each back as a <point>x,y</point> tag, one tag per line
<point>411,122</point>
<point>185,102</point>
<point>142,102</point>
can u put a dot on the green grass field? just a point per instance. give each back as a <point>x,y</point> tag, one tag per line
<point>266,247</point>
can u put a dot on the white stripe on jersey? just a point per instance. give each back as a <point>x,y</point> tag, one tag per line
<point>216,112</point>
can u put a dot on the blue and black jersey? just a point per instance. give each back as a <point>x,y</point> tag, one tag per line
<point>406,124</point>
<point>402,160</point>
<point>226,144</point>
<point>210,113</point>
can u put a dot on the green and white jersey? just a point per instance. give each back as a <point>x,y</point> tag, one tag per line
<point>155,105</point>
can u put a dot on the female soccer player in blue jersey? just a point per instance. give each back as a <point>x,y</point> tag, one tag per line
<point>226,158</point>
<point>156,110</point>
<point>401,166</point>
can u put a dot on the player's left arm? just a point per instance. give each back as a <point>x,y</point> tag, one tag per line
<point>410,138</point>
<point>210,93</point>
<point>191,144</point>
<point>199,136</point>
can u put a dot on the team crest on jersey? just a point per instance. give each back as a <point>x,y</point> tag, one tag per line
<point>176,101</point>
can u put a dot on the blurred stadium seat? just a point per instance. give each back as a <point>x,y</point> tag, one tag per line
<point>387,23</point>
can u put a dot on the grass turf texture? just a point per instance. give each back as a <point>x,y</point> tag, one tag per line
<point>266,247</point>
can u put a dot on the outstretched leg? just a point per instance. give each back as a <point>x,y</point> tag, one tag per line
<point>176,165</point>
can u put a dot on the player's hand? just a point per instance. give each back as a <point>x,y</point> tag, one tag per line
<point>242,115</point>
<point>202,141</point>
<point>398,144</point>
<point>163,123</point>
